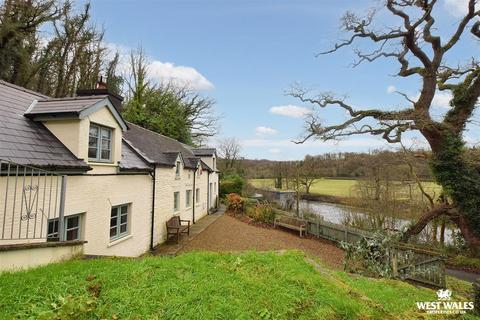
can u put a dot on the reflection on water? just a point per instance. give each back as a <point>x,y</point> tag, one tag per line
<point>338,213</point>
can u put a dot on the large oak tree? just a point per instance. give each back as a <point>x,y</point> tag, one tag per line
<point>415,43</point>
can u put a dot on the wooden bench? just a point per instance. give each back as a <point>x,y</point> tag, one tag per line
<point>291,223</point>
<point>175,227</point>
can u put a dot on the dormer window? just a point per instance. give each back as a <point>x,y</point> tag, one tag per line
<point>177,170</point>
<point>100,143</point>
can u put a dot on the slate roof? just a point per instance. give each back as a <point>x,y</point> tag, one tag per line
<point>203,152</point>
<point>131,161</point>
<point>27,142</point>
<point>158,148</point>
<point>73,105</point>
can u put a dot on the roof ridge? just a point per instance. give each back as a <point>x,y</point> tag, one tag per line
<point>99,97</point>
<point>19,88</point>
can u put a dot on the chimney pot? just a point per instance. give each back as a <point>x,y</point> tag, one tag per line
<point>101,88</point>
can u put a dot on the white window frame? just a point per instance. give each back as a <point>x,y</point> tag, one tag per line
<point>118,216</point>
<point>177,169</point>
<point>188,198</point>
<point>197,196</point>
<point>176,201</point>
<point>99,149</point>
<point>55,235</point>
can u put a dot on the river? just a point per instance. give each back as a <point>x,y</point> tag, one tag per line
<point>340,214</point>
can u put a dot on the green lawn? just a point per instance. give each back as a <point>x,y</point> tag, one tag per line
<point>337,187</point>
<point>203,285</point>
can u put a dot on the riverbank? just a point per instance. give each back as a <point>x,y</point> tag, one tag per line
<point>348,188</point>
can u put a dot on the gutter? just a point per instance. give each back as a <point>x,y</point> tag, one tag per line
<point>208,193</point>
<point>153,206</point>
<point>194,204</point>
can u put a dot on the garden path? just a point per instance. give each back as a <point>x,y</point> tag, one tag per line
<point>227,234</point>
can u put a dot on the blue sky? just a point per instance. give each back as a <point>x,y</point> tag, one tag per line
<point>247,53</point>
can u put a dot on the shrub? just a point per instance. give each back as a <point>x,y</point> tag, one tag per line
<point>369,256</point>
<point>231,184</point>
<point>235,202</point>
<point>261,213</point>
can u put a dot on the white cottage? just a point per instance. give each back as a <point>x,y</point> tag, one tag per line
<point>74,176</point>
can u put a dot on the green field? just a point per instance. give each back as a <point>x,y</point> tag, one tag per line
<point>204,285</point>
<point>341,187</point>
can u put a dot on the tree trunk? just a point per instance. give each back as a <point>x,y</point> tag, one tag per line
<point>425,219</point>
<point>472,239</point>
<point>434,231</point>
<point>442,233</point>
<point>460,180</point>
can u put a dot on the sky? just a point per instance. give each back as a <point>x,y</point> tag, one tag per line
<point>247,54</point>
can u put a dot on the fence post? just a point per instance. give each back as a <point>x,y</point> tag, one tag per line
<point>443,283</point>
<point>61,213</point>
<point>394,262</point>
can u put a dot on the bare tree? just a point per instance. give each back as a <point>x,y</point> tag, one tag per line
<point>199,113</point>
<point>420,52</point>
<point>193,112</point>
<point>229,151</point>
<point>137,78</point>
<point>308,172</point>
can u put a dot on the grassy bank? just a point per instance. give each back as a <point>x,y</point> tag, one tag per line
<point>203,286</point>
<point>343,187</point>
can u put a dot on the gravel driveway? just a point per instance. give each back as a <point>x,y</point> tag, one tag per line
<point>230,234</point>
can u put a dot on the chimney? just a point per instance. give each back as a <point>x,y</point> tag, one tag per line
<point>101,89</point>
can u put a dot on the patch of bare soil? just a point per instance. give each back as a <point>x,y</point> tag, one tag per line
<point>229,234</point>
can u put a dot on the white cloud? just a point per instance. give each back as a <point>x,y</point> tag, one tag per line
<point>179,75</point>
<point>263,131</point>
<point>442,100</point>
<point>274,150</point>
<point>456,8</point>
<point>163,72</point>
<point>290,111</point>
<point>391,89</point>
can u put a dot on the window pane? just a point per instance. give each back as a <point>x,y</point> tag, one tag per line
<point>106,133</point>
<point>123,219</point>
<point>105,144</point>
<point>175,201</point>
<point>72,234</point>
<point>93,131</point>
<point>113,212</point>
<point>92,152</point>
<point>52,226</point>
<point>124,209</point>
<point>92,142</point>
<point>123,228</point>
<point>113,221</point>
<point>113,232</point>
<point>72,222</point>
<point>105,154</point>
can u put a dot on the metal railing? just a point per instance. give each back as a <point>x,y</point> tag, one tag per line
<point>32,201</point>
